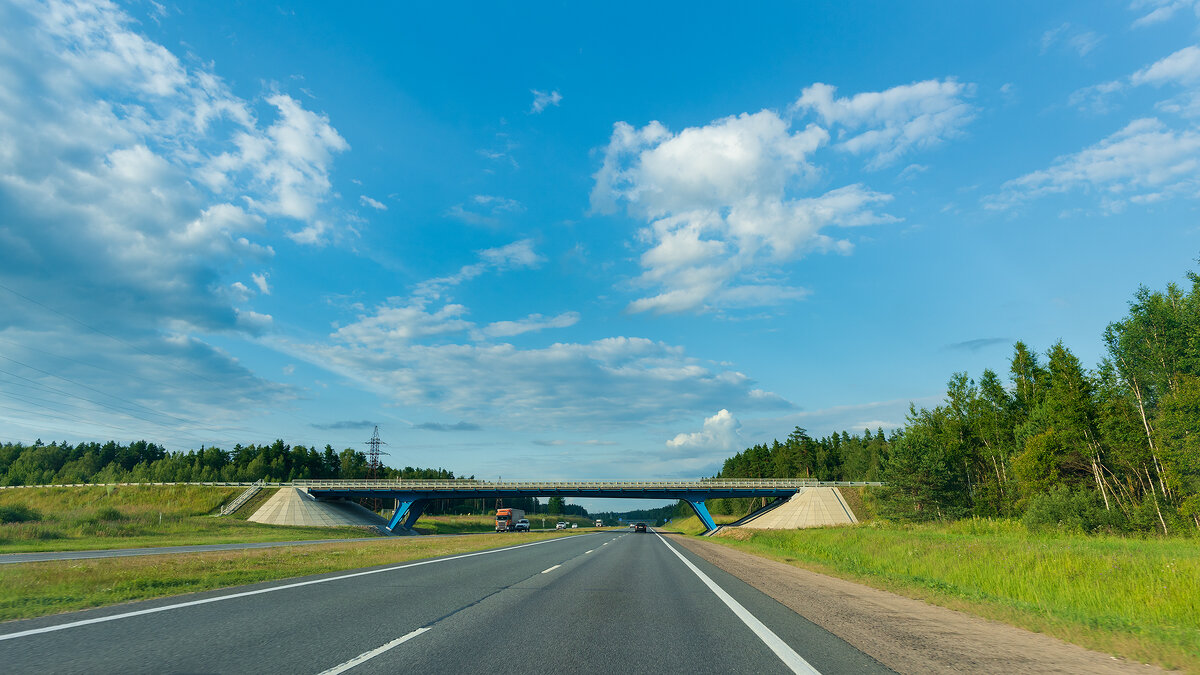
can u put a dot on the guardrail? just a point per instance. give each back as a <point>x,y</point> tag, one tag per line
<point>492,485</point>
<point>207,483</point>
<point>242,498</point>
<point>458,485</point>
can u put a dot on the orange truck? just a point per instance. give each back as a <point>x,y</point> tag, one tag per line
<point>506,519</point>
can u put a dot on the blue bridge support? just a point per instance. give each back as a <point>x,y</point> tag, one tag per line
<point>703,514</point>
<point>407,510</point>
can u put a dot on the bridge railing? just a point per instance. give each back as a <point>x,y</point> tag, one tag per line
<point>467,484</point>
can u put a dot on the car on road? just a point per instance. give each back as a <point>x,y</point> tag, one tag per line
<point>639,527</point>
<point>560,525</point>
<point>522,525</point>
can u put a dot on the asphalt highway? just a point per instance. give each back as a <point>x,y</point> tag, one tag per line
<point>610,602</point>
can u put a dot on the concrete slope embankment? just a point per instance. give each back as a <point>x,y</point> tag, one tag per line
<point>811,507</point>
<point>292,506</point>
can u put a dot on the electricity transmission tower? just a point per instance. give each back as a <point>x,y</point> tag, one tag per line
<point>373,453</point>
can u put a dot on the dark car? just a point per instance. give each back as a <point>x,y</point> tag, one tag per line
<point>640,527</point>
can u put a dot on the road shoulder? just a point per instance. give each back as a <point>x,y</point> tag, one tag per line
<point>907,635</point>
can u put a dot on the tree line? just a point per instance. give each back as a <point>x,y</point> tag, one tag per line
<point>1114,448</point>
<point>61,463</point>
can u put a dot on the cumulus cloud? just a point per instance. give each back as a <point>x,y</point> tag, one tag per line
<point>134,186</point>
<point>721,208</point>
<point>260,282</point>
<point>720,432</point>
<point>886,125</point>
<point>542,100</point>
<point>1146,161</point>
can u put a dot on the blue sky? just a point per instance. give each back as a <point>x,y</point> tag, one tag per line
<point>561,241</point>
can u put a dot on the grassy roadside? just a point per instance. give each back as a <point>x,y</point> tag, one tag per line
<point>83,518</point>
<point>692,524</point>
<point>1138,598</point>
<point>36,589</point>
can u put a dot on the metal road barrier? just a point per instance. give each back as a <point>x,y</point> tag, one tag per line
<point>458,485</point>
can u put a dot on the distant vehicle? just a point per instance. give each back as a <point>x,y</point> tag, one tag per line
<point>521,526</point>
<point>506,519</point>
<point>639,527</point>
<point>560,525</point>
<point>599,523</point>
<point>574,525</point>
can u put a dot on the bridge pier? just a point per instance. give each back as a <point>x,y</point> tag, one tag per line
<point>407,510</point>
<point>702,513</point>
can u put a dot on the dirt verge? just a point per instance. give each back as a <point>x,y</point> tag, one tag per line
<point>906,635</point>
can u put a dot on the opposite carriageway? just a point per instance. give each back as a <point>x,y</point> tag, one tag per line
<point>412,495</point>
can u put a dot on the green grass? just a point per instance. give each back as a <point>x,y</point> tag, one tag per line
<point>37,589</point>
<point>81,518</point>
<point>487,523</point>
<point>1134,597</point>
<point>692,524</point>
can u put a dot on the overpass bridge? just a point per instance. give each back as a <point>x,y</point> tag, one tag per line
<point>412,495</point>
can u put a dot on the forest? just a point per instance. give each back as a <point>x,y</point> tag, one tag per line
<point>1115,448</point>
<point>143,462</point>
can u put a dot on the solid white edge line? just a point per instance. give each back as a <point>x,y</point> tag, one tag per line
<point>367,656</point>
<point>785,653</point>
<point>551,569</point>
<point>232,596</point>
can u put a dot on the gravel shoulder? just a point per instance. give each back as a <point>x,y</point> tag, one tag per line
<point>907,635</point>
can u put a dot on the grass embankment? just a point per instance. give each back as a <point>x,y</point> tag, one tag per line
<point>37,589</point>
<point>692,524</point>
<point>81,518</point>
<point>1138,598</point>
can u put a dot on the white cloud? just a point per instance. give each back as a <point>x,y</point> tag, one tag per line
<point>720,208</point>
<point>373,203</point>
<point>531,323</point>
<point>1081,41</point>
<point>517,255</point>
<point>423,350</point>
<point>720,432</point>
<point>1160,10</point>
<point>1096,98</point>
<point>894,122</point>
<point>494,207</point>
<point>541,100</point>
<point>617,380</point>
<point>260,281</point>
<point>135,186</point>
<point>1142,162</point>
<point>1181,67</point>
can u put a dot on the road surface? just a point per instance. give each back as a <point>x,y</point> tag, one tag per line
<point>610,602</point>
